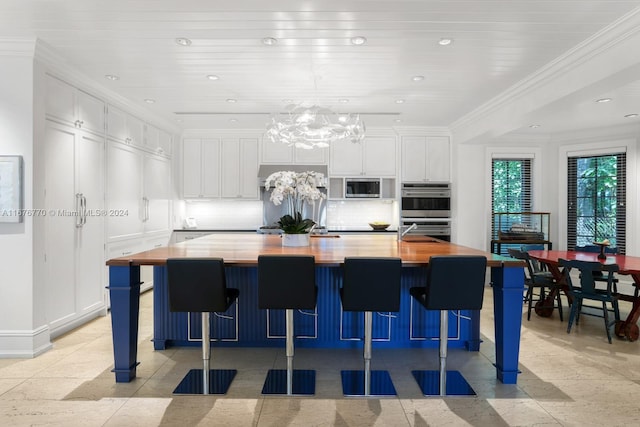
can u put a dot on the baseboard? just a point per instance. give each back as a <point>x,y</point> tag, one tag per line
<point>90,314</point>
<point>24,344</point>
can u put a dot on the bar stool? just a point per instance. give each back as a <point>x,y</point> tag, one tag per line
<point>199,285</point>
<point>370,284</point>
<point>453,283</point>
<point>288,282</point>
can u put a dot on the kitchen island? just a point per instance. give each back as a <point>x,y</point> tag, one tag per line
<point>245,325</point>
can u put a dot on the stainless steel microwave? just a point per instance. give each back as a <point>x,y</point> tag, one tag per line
<point>364,188</point>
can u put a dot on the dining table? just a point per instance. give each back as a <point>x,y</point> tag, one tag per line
<point>628,265</point>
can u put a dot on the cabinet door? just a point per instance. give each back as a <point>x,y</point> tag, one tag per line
<point>346,158</point>
<point>315,156</point>
<point>90,292</point>
<point>151,137</point>
<point>90,112</point>
<point>414,157</point>
<point>60,100</point>
<point>117,124</point>
<point>60,224</point>
<point>191,168</point>
<point>380,156</point>
<point>157,193</point>
<point>124,191</point>
<point>135,131</point>
<point>438,158</point>
<point>276,153</point>
<point>165,143</point>
<point>230,167</point>
<point>210,168</point>
<point>248,168</point>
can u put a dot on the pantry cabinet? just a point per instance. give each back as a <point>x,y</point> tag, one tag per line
<point>74,226</point>
<point>68,105</point>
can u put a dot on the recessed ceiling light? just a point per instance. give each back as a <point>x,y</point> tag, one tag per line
<point>445,42</point>
<point>288,101</point>
<point>213,77</point>
<point>399,101</point>
<point>150,101</point>
<point>179,120</point>
<point>231,100</point>
<point>534,126</point>
<point>233,120</point>
<point>417,78</point>
<point>358,40</point>
<point>398,120</point>
<point>343,100</point>
<point>111,77</point>
<point>632,115</point>
<point>603,100</point>
<point>182,41</point>
<point>269,41</point>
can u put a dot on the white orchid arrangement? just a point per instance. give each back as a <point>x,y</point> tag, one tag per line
<point>294,188</point>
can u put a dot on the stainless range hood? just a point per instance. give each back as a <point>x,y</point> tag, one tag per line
<point>265,170</point>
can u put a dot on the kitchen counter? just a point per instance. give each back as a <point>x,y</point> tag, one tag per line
<point>244,325</point>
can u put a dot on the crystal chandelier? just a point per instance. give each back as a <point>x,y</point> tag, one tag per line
<point>313,126</point>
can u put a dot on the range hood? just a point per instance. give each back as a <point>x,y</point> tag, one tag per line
<point>265,170</point>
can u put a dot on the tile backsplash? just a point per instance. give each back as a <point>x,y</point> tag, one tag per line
<point>357,214</point>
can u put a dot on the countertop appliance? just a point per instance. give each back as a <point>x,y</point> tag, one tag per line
<point>362,188</point>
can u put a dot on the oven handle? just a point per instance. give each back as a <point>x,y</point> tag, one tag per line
<point>425,194</point>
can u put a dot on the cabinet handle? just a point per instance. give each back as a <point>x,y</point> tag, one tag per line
<point>127,140</point>
<point>158,245</point>
<point>127,253</point>
<point>83,203</point>
<point>78,210</point>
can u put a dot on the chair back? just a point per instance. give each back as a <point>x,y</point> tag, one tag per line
<point>588,272</point>
<point>455,282</point>
<point>371,284</point>
<point>197,285</point>
<point>524,256</point>
<point>537,266</point>
<point>287,282</point>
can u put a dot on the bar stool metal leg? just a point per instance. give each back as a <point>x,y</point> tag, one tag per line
<point>443,382</point>
<point>206,381</point>
<point>367,382</point>
<point>291,382</point>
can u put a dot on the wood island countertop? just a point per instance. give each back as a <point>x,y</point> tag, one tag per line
<point>244,249</point>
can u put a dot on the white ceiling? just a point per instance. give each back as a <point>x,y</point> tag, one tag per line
<point>496,45</point>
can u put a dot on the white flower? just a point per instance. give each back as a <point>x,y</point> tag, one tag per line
<point>295,188</point>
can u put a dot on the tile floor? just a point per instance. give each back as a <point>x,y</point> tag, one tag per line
<point>575,379</point>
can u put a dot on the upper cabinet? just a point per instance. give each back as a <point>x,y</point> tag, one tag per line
<point>124,127</point>
<point>220,167</point>
<point>375,156</point>
<point>157,140</point>
<point>425,159</point>
<point>282,154</point>
<point>69,105</point>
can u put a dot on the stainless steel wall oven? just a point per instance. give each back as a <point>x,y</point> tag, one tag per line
<point>426,200</point>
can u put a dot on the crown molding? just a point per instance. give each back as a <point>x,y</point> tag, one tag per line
<point>529,91</point>
<point>627,131</point>
<point>18,47</point>
<point>57,66</point>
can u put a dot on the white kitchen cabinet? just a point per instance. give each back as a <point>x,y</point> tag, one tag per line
<point>239,168</point>
<point>138,192</point>
<point>68,105</point>
<point>375,156</point>
<point>74,226</point>
<point>123,127</point>
<point>425,159</point>
<point>156,194</point>
<point>124,191</point>
<point>200,168</point>
<point>282,154</point>
<point>157,141</point>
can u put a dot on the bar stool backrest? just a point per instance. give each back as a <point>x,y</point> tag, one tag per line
<point>455,282</point>
<point>371,284</point>
<point>197,285</point>
<point>287,282</point>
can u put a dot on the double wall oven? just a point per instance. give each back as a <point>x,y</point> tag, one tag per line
<point>428,205</point>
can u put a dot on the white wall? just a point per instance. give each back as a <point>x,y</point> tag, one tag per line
<point>22,328</point>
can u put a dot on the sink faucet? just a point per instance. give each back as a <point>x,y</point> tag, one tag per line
<point>401,233</point>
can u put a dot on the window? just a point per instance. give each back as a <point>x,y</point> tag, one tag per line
<point>596,194</point>
<point>510,187</point>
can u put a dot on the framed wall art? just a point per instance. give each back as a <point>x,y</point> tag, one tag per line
<point>11,189</point>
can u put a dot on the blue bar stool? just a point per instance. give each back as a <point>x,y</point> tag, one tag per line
<point>199,285</point>
<point>370,284</point>
<point>453,283</point>
<point>288,282</point>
